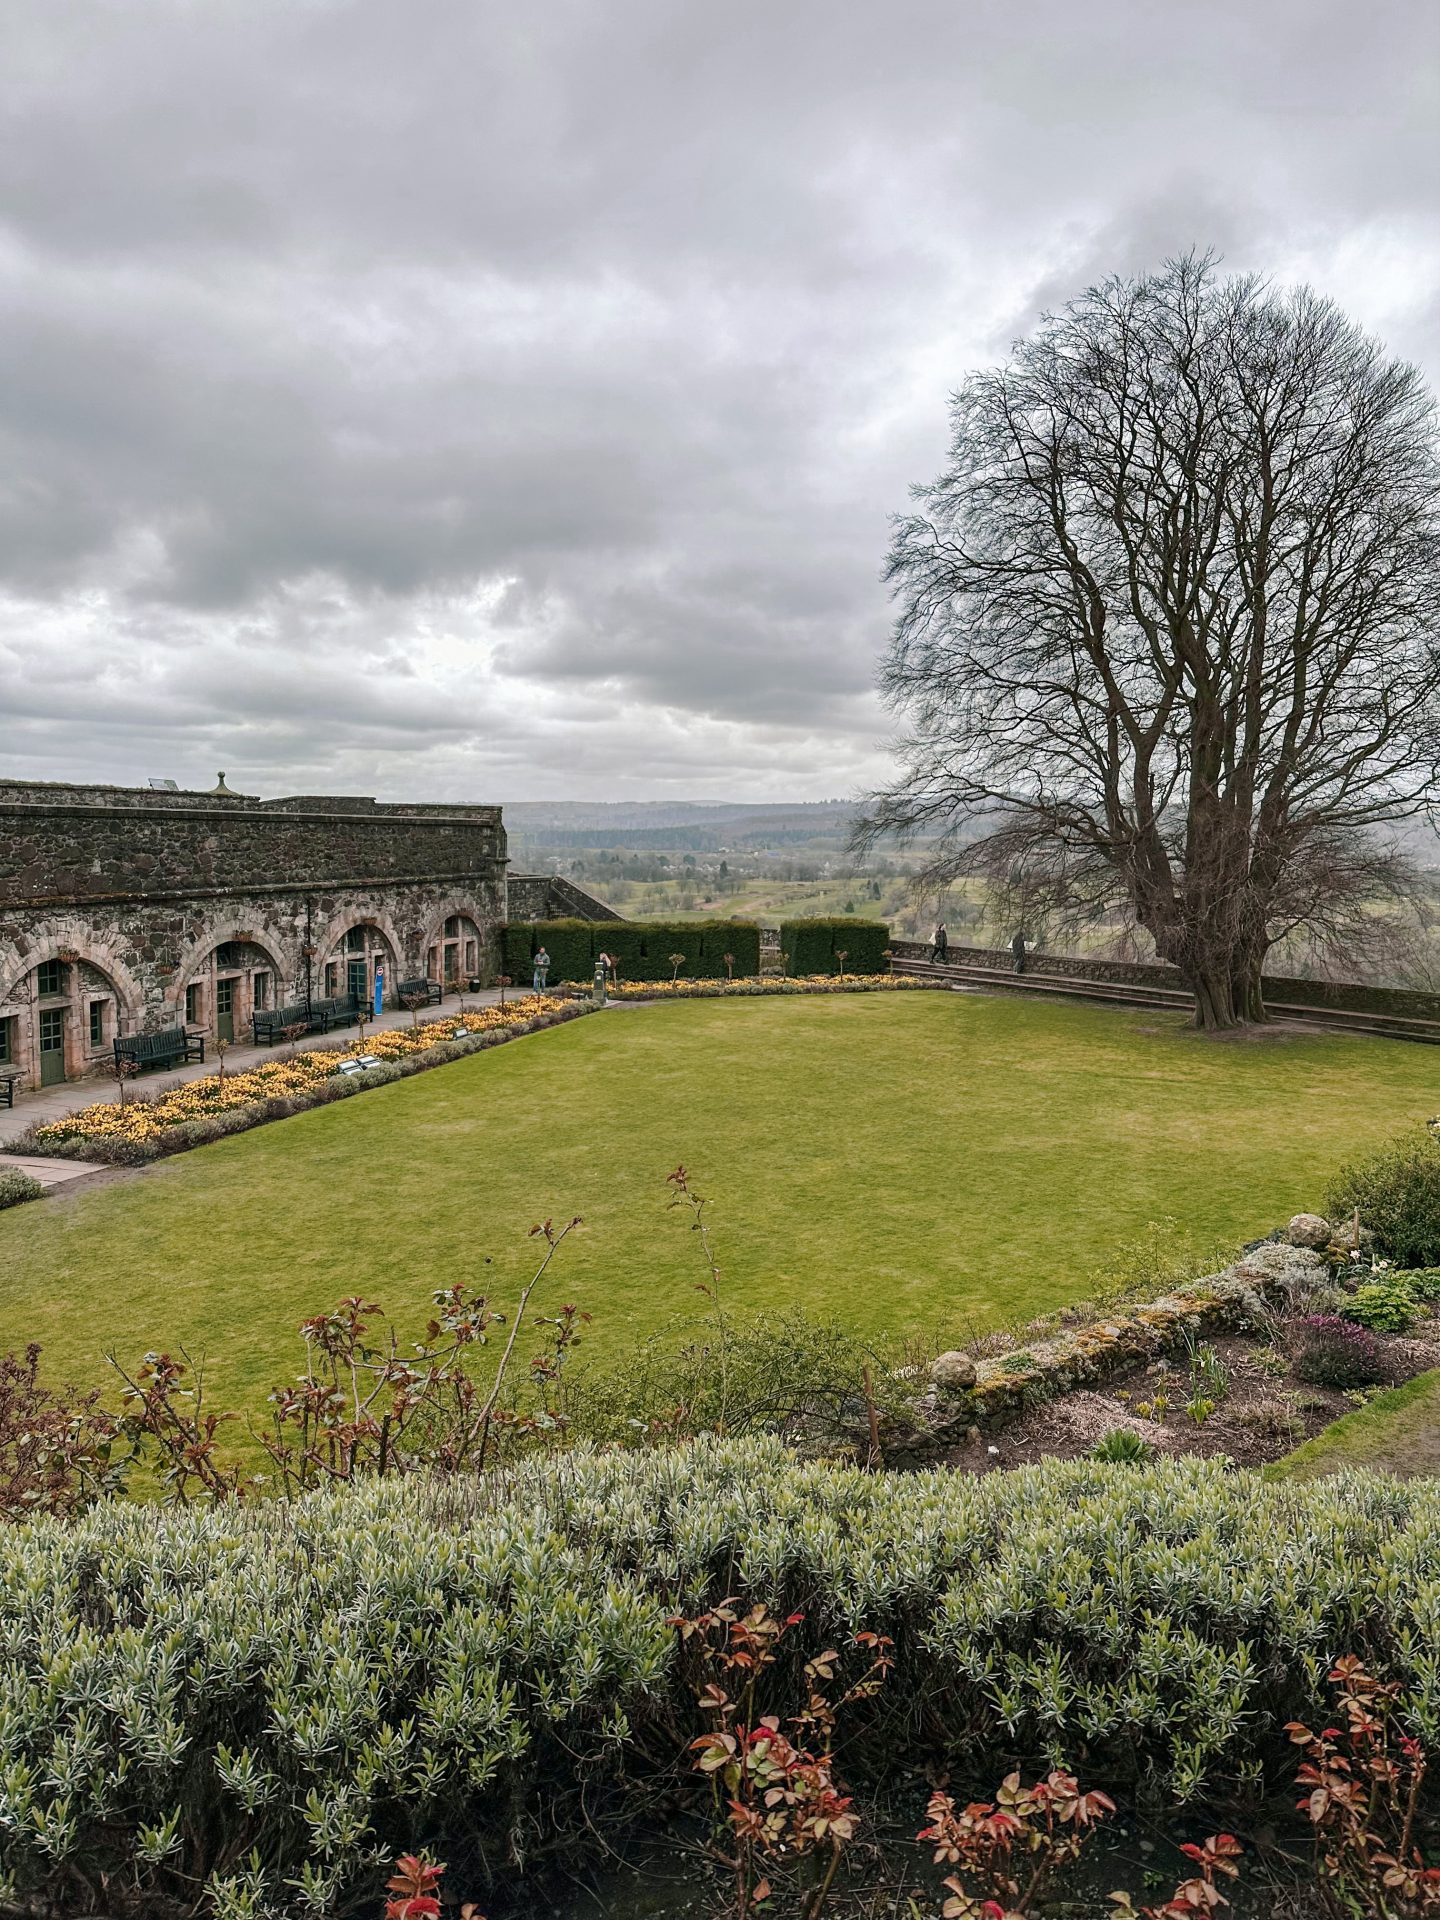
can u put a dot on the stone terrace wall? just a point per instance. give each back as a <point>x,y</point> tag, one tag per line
<point>60,846</point>
<point>135,893</point>
<point>1351,996</point>
<point>547,896</point>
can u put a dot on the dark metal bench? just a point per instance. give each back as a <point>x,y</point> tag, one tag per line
<point>326,1015</point>
<point>8,1078</point>
<point>279,1023</point>
<point>175,1047</point>
<point>321,1016</point>
<point>429,992</point>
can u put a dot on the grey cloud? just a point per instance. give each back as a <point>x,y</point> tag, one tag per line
<point>405,395</point>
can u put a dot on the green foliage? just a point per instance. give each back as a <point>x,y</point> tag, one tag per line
<point>568,942</point>
<point>16,1186</point>
<point>1397,1192</point>
<point>811,946</point>
<point>1122,1446</point>
<point>442,1665</point>
<point>756,1374</point>
<point>1387,1305</point>
<point>641,949</point>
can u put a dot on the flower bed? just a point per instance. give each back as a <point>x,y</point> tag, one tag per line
<point>751,988</point>
<point>198,1111</point>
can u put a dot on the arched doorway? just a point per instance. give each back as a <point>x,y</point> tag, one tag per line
<point>452,955</point>
<point>228,986</point>
<point>60,1020</point>
<point>360,959</point>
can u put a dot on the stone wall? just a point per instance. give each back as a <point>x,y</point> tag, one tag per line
<point>549,896</point>
<point>1280,989</point>
<point>123,910</point>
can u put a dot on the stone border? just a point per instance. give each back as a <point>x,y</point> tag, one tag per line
<point>998,1391</point>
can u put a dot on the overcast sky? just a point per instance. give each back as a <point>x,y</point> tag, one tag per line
<point>439,398</point>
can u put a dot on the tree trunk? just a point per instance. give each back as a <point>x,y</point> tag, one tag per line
<point>1214,990</point>
<point>1247,990</point>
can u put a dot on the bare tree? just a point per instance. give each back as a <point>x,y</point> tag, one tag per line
<point>1167,624</point>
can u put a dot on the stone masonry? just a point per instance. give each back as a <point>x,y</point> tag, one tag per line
<point>127,910</point>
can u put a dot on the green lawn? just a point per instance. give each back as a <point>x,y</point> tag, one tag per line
<point>1397,1432</point>
<point>906,1162</point>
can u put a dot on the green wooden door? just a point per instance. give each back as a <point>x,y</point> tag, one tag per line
<point>52,1048</point>
<point>356,976</point>
<point>225,1009</point>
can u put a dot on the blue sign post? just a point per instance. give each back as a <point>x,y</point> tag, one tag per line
<point>379,991</point>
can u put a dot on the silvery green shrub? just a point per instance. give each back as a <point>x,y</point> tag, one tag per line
<point>16,1186</point>
<point>242,1710</point>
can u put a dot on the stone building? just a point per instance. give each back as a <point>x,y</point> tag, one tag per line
<point>126,909</point>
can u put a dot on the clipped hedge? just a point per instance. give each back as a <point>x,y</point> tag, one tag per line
<point>811,946</point>
<point>450,1665</point>
<point>641,949</point>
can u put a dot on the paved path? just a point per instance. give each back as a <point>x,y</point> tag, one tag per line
<point>52,1103</point>
<point>50,1173</point>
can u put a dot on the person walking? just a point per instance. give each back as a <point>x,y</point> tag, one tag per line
<point>942,944</point>
<point>1017,952</point>
<point>542,970</point>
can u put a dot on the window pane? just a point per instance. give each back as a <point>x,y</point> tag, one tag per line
<point>262,989</point>
<point>52,976</point>
<point>192,1005</point>
<point>7,1042</point>
<point>97,1023</point>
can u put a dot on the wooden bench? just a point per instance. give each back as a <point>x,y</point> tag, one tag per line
<point>175,1047</point>
<point>8,1078</point>
<point>429,992</point>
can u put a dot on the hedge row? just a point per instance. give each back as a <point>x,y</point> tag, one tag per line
<point>641,949</point>
<point>814,946</point>
<point>204,1707</point>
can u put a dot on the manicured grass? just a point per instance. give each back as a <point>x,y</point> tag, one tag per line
<point>912,1162</point>
<point>1396,1432</point>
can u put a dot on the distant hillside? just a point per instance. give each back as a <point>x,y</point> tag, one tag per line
<point>696,827</point>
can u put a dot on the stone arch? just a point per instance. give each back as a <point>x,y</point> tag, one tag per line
<point>340,924</point>
<point>75,1028</point>
<point>222,933</point>
<point>52,938</point>
<point>433,931</point>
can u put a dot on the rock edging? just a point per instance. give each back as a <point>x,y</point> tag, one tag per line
<point>1000,1389</point>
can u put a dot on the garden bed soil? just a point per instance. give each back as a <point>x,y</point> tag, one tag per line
<point>1263,1416</point>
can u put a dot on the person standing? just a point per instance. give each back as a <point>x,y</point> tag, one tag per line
<point>1017,952</point>
<point>542,970</point>
<point>942,944</point>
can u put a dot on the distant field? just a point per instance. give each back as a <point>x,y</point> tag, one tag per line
<point>917,1162</point>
